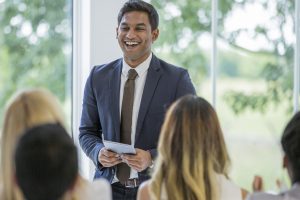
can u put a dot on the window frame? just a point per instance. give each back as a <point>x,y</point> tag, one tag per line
<point>86,47</point>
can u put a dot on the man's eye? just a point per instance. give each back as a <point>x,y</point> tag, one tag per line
<point>140,28</point>
<point>124,28</point>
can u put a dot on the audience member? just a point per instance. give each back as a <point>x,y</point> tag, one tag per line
<point>27,109</point>
<point>192,157</point>
<point>290,142</point>
<point>46,162</point>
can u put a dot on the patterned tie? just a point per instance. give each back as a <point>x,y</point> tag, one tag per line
<point>123,170</point>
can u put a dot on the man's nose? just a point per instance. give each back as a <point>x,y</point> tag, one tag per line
<point>131,34</point>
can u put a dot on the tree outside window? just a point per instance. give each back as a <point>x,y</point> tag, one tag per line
<point>36,48</point>
<point>255,73</point>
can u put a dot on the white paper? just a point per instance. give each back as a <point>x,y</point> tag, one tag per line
<point>119,147</point>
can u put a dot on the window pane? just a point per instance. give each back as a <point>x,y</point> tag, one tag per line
<point>184,38</point>
<point>254,91</point>
<point>255,67</point>
<point>36,48</point>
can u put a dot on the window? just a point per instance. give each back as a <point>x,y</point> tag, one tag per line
<point>255,86</point>
<point>36,48</point>
<point>246,67</point>
<point>253,61</point>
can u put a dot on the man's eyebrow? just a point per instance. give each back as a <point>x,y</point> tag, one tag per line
<point>126,24</point>
<point>141,24</point>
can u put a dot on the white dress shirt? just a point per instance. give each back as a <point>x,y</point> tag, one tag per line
<point>142,70</point>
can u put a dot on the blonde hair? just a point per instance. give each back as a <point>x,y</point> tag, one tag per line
<point>26,109</point>
<point>191,151</point>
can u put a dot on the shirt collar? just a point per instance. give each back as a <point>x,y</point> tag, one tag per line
<point>140,69</point>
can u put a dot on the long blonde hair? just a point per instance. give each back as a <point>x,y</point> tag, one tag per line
<point>26,109</point>
<point>191,151</point>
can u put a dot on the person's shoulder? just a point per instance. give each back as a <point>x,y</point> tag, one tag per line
<point>108,66</point>
<point>292,194</point>
<point>143,192</point>
<point>228,189</point>
<point>101,185</point>
<point>294,191</point>
<point>264,196</point>
<point>101,182</point>
<point>98,189</point>
<point>144,185</point>
<point>168,66</point>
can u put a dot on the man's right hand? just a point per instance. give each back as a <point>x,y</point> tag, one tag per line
<point>108,158</point>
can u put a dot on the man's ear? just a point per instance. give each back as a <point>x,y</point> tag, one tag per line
<point>117,34</point>
<point>155,34</point>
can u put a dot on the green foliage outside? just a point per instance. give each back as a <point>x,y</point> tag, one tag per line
<point>254,85</point>
<point>35,40</point>
<point>185,21</point>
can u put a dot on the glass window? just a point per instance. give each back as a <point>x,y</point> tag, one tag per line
<point>36,48</point>
<point>254,73</point>
<point>255,86</point>
<point>184,38</point>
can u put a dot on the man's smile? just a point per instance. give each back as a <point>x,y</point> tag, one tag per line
<point>131,44</point>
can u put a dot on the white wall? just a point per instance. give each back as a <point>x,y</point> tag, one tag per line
<point>104,45</point>
<point>94,29</point>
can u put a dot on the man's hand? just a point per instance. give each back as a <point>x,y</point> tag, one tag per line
<point>140,161</point>
<point>108,158</point>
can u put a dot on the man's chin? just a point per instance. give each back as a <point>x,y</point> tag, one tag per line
<point>131,56</point>
<point>134,57</point>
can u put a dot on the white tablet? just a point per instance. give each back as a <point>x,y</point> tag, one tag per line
<point>119,147</point>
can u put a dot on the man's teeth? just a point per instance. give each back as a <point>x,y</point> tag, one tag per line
<point>131,43</point>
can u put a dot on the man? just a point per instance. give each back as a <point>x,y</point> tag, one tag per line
<point>125,101</point>
<point>290,142</point>
<point>46,163</point>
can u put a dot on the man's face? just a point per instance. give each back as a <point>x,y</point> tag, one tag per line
<point>135,37</point>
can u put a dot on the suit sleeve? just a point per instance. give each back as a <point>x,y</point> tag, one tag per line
<point>184,86</point>
<point>90,136</point>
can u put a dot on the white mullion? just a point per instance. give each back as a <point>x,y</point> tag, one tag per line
<point>81,63</point>
<point>213,67</point>
<point>296,58</point>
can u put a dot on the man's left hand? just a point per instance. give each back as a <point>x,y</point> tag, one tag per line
<point>140,161</point>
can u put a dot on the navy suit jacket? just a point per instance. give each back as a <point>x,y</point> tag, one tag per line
<point>101,113</point>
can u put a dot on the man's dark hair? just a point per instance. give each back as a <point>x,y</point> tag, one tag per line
<point>290,142</point>
<point>46,162</point>
<point>141,6</point>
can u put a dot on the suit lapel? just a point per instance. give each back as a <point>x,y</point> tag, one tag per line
<point>114,91</point>
<point>153,76</point>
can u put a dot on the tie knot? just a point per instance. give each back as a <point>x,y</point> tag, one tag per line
<point>132,74</point>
